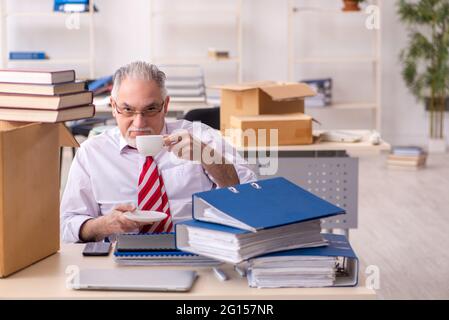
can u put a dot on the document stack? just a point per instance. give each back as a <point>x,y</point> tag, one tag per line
<point>333,265</point>
<point>155,250</point>
<point>323,88</point>
<point>43,96</point>
<point>408,157</point>
<point>185,84</point>
<point>241,222</point>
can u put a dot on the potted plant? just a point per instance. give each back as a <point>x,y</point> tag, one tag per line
<point>352,5</point>
<point>426,60</point>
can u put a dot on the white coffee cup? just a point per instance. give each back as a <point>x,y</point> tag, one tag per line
<point>149,145</point>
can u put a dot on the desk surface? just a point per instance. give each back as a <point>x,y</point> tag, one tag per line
<point>47,280</point>
<point>364,146</point>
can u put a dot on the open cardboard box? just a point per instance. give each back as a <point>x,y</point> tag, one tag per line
<point>29,191</point>
<point>260,98</point>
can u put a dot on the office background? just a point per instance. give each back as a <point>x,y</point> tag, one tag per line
<point>403,218</point>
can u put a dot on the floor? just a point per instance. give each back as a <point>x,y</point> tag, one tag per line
<point>403,226</point>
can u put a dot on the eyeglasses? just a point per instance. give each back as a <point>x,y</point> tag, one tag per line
<point>150,112</point>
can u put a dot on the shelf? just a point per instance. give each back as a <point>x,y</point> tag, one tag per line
<point>50,61</point>
<point>87,20</point>
<point>190,60</point>
<point>212,13</point>
<point>176,13</point>
<point>325,10</point>
<point>354,59</point>
<point>346,106</point>
<point>43,14</point>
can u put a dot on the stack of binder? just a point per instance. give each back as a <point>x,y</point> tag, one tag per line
<point>155,250</point>
<point>333,265</point>
<point>238,223</point>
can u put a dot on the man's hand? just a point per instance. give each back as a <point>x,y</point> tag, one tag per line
<point>114,222</point>
<point>187,147</point>
<point>183,145</point>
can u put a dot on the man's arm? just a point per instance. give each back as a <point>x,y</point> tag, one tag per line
<point>221,171</point>
<point>78,204</point>
<point>224,174</point>
<point>80,214</point>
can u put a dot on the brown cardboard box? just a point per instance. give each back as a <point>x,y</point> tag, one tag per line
<point>293,129</point>
<point>264,97</point>
<point>29,192</point>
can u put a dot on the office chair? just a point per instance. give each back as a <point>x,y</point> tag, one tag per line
<point>209,116</point>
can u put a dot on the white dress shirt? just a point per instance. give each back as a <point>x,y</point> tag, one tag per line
<point>105,173</point>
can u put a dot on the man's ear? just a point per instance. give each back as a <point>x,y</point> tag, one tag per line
<point>167,101</point>
<point>111,102</point>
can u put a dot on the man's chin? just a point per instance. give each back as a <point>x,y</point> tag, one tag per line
<point>131,142</point>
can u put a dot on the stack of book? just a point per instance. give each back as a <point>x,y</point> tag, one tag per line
<point>407,157</point>
<point>238,223</point>
<point>43,96</point>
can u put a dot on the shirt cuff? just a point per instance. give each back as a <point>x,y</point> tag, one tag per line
<point>72,229</point>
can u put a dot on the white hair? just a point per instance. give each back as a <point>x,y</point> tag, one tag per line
<point>139,70</point>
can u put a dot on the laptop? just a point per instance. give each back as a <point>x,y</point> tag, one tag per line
<point>134,280</point>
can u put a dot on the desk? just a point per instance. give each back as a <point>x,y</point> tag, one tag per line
<point>355,148</point>
<point>46,280</point>
<point>327,169</point>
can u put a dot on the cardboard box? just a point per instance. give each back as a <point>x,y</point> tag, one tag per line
<point>260,98</point>
<point>29,192</point>
<point>293,129</point>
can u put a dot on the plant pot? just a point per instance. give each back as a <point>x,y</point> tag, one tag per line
<point>437,145</point>
<point>446,105</point>
<point>351,5</point>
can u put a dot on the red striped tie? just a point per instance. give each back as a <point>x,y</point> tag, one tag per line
<point>152,196</point>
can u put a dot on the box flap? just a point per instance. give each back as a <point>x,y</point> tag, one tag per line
<point>288,91</point>
<point>245,85</point>
<point>11,125</point>
<point>66,139</point>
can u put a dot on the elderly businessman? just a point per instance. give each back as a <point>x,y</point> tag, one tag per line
<point>109,177</point>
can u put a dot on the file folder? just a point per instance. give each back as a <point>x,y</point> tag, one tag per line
<point>260,205</point>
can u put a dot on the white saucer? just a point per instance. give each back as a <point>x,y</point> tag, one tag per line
<point>145,216</point>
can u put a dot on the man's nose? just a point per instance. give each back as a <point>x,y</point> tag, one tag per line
<point>139,121</point>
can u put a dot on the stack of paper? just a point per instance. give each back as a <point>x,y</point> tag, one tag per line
<point>292,271</point>
<point>155,250</point>
<point>235,245</point>
<point>332,265</point>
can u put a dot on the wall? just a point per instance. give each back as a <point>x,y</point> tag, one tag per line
<point>122,32</point>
